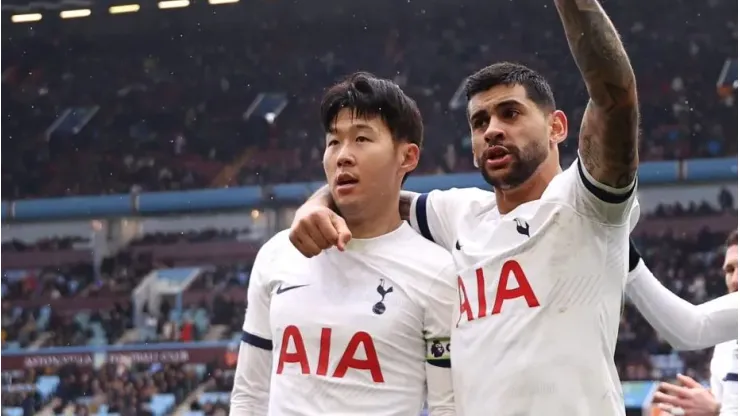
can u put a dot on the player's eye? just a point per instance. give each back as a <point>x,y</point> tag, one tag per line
<point>479,123</point>
<point>362,139</point>
<point>511,113</point>
<point>332,142</point>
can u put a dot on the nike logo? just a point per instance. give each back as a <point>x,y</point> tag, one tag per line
<point>282,289</point>
<point>457,245</point>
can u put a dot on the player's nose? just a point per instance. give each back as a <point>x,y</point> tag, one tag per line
<point>494,133</point>
<point>345,156</point>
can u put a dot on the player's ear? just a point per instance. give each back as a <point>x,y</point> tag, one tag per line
<point>558,127</point>
<point>409,156</point>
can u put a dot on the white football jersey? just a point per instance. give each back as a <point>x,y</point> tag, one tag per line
<point>540,294</point>
<point>724,377</point>
<point>360,332</point>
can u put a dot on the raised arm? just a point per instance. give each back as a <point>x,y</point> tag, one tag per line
<point>608,137</point>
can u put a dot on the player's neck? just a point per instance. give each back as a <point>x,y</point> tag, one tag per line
<point>373,222</point>
<point>531,190</point>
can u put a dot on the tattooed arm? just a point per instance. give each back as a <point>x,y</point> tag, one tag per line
<point>608,137</point>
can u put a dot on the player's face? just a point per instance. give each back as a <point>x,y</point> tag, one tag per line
<point>362,162</point>
<point>511,135</point>
<point>730,269</point>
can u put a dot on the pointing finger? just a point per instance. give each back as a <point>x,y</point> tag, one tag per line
<point>344,233</point>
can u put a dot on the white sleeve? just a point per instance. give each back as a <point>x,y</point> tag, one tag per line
<point>729,401</point>
<point>716,376</point>
<point>435,215</point>
<point>593,199</point>
<point>684,325</point>
<point>438,319</point>
<point>251,393</point>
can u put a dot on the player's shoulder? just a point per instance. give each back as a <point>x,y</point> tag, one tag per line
<point>728,346</point>
<point>465,194</point>
<point>562,181</point>
<point>722,358</point>
<point>463,201</point>
<point>278,247</point>
<point>425,252</point>
<point>415,258</point>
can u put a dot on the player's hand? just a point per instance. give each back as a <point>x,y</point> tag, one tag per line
<point>689,398</point>
<point>316,228</point>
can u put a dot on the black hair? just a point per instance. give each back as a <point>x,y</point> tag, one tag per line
<point>510,74</point>
<point>731,239</point>
<point>368,96</point>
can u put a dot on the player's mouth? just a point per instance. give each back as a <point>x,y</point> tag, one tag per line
<point>497,157</point>
<point>345,183</point>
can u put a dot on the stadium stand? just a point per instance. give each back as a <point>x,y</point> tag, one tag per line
<point>170,114</point>
<point>105,313</point>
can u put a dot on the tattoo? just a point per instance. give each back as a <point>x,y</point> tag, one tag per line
<point>609,131</point>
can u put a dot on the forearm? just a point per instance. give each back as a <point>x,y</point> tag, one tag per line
<point>598,52</point>
<point>322,197</point>
<point>608,137</point>
<point>405,203</point>
<point>684,325</point>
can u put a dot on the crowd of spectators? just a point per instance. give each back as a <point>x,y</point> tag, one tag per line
<point>19,391</point>
<point>725,204</point>
<point>193,322</point>
<point>190,236</point>
<point>54,282</point>
<point>46,244</point>
<point>169,110</point>
<point>122,389</point>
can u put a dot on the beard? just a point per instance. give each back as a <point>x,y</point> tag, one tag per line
<point>524,163</point>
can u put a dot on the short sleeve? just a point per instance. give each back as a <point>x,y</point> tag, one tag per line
<point>577,188</point>
<point>715,379</point>
<point>436,215</point>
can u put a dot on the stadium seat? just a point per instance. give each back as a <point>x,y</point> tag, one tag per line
<point>46,385</point>
<point>13,411</point>
<point>212,397</point>
<point>12,345</point>
<point>162,403</point>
